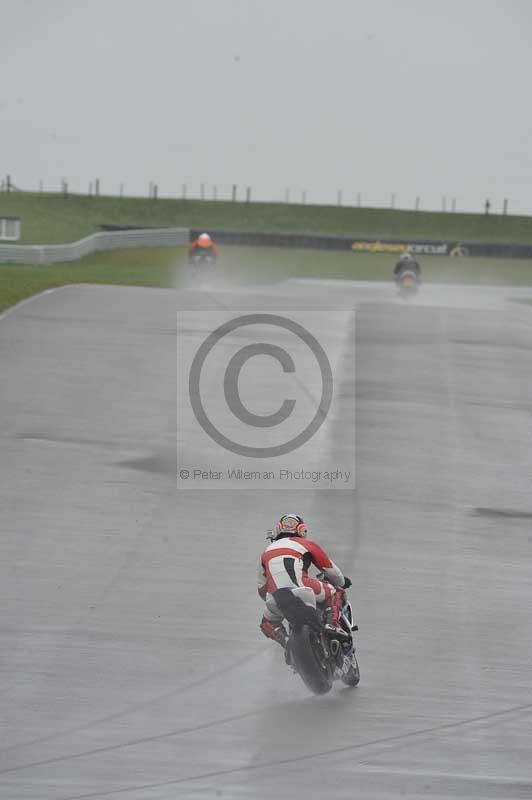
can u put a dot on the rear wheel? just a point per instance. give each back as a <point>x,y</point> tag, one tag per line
<point>310,662</point>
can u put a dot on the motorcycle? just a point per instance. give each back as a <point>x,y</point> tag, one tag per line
<point>201,266</point>
<point>408,283</point>
<point>314,653</point>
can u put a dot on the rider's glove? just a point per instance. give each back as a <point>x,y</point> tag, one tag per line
<point>347,583</point>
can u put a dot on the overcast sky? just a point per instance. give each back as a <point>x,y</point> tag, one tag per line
<point>419,97</point>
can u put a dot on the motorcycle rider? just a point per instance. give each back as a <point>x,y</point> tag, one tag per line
<point>285,564</point>
<point>203,244</point>
<point>406,263</point>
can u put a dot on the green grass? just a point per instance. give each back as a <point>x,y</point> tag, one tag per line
<point>52,218</point>
<point>164,267</point>
<point>267,265</point>
<point>144,267</point>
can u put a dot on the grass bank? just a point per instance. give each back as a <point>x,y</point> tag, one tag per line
<point>164,267</point>
<point>52,218</point>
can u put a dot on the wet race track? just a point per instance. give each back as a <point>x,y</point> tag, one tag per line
<point>131,661</point>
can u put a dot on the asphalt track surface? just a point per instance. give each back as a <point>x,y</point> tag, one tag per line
<point>131,661</point>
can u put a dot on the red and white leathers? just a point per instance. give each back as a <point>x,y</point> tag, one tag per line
<point>285,564</point>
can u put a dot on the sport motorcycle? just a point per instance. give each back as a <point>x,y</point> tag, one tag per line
<point>201,267</point>
<point>408,283</point>
<point>318,656</point>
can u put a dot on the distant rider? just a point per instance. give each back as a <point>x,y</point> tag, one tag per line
<point>406,263</point>
<point>285,564</point>
<point>203,244</point>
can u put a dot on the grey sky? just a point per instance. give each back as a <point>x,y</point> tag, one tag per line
<point>419,97</point>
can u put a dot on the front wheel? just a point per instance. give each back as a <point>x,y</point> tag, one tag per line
<point>352,676</point>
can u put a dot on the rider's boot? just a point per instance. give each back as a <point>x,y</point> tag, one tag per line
<point>274,630</point>
<point>333,626</point>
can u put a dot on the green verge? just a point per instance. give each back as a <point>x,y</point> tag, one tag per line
<point>52,218</point>
<point>268,265</point>
<point>144,267</point>
<point>165,267</point>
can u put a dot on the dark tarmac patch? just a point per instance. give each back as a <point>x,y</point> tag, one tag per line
<point>505,406</point>
<point>485,342</point>
<point>54,439</point>
<point>504,513</point>
<point>492,343</point>
<point>162,464</point>
<point>165,464</point>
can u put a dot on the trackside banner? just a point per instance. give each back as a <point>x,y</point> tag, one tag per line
<point>422,248</point>
<point>371,245</point>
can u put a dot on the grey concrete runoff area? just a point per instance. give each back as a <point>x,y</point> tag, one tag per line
<point>131,661</point>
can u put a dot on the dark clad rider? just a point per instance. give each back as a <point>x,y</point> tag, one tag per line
<point>407,263</point>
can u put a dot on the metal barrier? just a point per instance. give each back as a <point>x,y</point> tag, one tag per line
<point>172,237</point>
<point>115,240</point>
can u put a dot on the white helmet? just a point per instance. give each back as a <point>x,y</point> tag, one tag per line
<point>288,525</point>
<point>204,239</point>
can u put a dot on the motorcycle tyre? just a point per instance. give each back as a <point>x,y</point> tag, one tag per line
<point>352,677</point>
<point>314,675</point>
<point>408,294</point>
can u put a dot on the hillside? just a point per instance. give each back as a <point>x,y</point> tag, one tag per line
<point>52,218</point>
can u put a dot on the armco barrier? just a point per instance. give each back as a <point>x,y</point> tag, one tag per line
<point>107,240</point>
<point>170,237</point>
